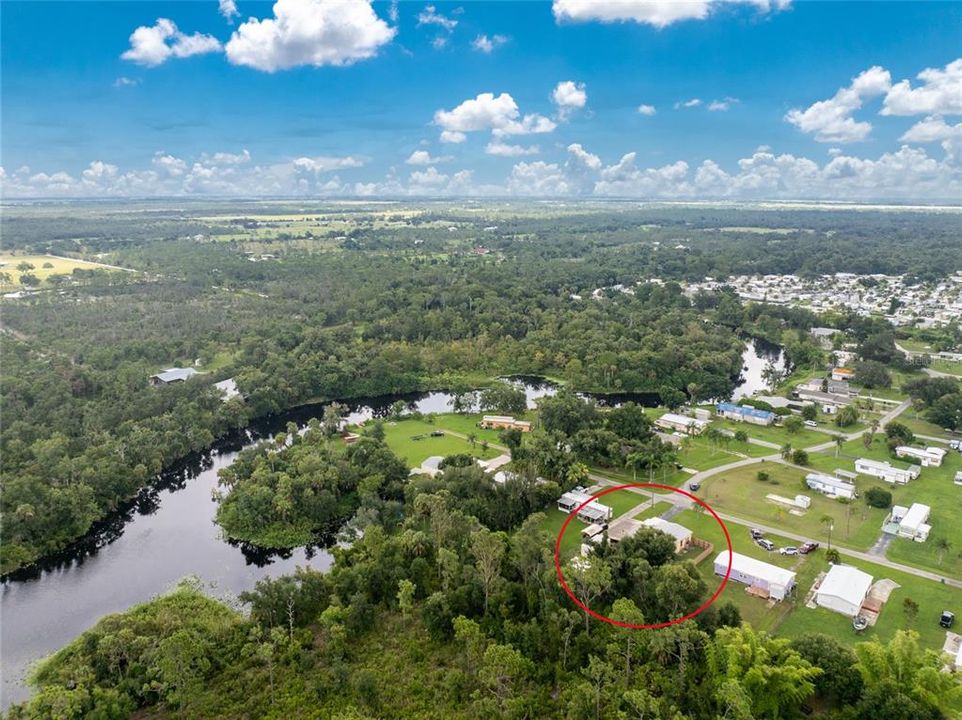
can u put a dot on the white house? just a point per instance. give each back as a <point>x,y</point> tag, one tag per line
<point>681,423</point>
<point>913,523</point>
<point>762,577</point>
<point>227,388</point>
<point>927,457</point>
<point>843,590</point>
<point>680,533</point>
<point>886,471</point>
<point>832,486</point>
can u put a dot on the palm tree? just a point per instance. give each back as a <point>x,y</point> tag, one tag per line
<point>942,546</point>
<point>839,441</point>
<point>828,522</point>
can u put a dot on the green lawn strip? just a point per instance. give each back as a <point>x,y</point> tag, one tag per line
<point>466,425</point>
<point>773,434</point>
<point>654,511</point>
<point>947,366</point>
<point>739,492</point>
<point>662,477</point>
<point>621,501</point>
<point>571,542</point>
<point>921,426</point>
<point>411,441</point>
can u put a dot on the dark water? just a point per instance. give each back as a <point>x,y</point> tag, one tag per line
<point>169,533</point>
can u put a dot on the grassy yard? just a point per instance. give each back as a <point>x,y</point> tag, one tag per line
<point>412,442</point>
<point>654,511</point>
<point>773,434</point>
<point>740,493</point>
<point>571,542</point>
<point>621,501</point>
<point>947,366</point>
<point>790,618</point>
<point>919,426</point>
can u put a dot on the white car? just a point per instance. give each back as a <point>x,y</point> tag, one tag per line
<point>789,550</point>
<point>811,423</point>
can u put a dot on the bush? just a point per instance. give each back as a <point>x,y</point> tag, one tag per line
<point>878,497</point>
<point>741,436</point>
<point>809,412</point>
<point>847,416</point>
<point>799,457</point>
<point>763,476</point>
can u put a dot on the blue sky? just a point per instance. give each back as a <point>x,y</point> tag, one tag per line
<point>338,97</point>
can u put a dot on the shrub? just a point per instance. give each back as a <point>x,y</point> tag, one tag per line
<point>799,457</point>
<point>763,476</point>
<point>878,497</point>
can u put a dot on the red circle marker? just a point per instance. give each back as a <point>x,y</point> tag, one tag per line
<point>637,626</point>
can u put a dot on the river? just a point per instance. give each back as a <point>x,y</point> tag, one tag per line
<point>169,533</point>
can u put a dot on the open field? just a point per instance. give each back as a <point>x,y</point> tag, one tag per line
<point>657,509</point>
<point>740,493</point>
<point>947,366</point>
<point>411,440</point>
<point>43,267</point>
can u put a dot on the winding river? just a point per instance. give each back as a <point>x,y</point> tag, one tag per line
<point>169,533</point>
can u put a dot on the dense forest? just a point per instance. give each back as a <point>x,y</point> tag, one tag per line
<point>371,301</point>
<point>432,613</point>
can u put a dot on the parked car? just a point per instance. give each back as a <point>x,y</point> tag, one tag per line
<point>811,423</point>
<point>790,550</point>
<point>808,547</point>
<point>437,433</point>
<point>947,619</point>
<point>756,534</point>
<point>860,623</point>
<point>767,544</point>
<point>694,486</point>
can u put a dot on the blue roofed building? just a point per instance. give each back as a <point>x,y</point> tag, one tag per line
<point>745,413</point>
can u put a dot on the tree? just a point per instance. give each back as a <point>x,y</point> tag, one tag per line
<point>772,376</point>
<point>872,374</point>
<point>907,671</point>
<point>766,672</point>
<point>629,421</point>
<point>566,413</point>
<point>899,432</point>
<point>671,397</point>
<point>792,425</point>
<point>504,398</point>
<point>839,681</point>
<point>488,549</point>
<point>588,578</point>
<point>809,412</point>
<point>25,267</point>
<point>911,610</point>
<point>741,436</point>
<point>799,457</point>
<point>405,596</point>
<point>828,522</point>
<point>846,416</point>
<point>501,671</point>
<point>946,412</point>
<point>942,546</point>
<point>878,497</point>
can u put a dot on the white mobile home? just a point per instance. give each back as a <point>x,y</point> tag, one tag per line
<point>681,423</point>
<point>831,486</point>
<point>593,512</point>
<point>762,577</point>
<point>927,457</point>
<point>843,590</point>
<point>913,523</point>
<point>886,471</point>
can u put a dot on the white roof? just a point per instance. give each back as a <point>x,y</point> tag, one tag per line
<point>846,582</point>
<point>756,568</point>
<point>432,463</point>
<point>677,419</point>
<point>679,532</point>
<point>916,515</point>
<point>494,463</point>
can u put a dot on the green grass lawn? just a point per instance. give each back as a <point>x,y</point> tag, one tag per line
<point>773,434</point>
<point>654,511</point>
<point>662,477</point>
<point>400,437</point>
<point>571,542</point>
<point>947,366</point>
<point>699,454</point>
<point>740,493</point>
<point>466,425</point>
<point>920,426</point>
<point>621,501</point>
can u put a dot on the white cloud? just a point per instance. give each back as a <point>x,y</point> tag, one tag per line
<point>324,163</point>
<point>228,8</point>
<point>831,120</point>
<point>932,129</point>
<point>169,164</point>
<point>223,158</point>
<point>569,96</point>
<point>423,157</point>
<point>310,32</point>
<point>646,109</point>
<point>392,11</point>
<point>939,94</point>
<point>124,81</point>
<point>439,42</point>
<point>722,105</point>
<point>154,45</point>
<point>429,178</point>
<point>498,114</point>
<point>583,157</point>
<point>694,102</point>
<point>625,178</point>
<point>658,13</point>
<point>485,44</point>
<point>430,16</point>
<point>503,149</point>
<point>537,178</point>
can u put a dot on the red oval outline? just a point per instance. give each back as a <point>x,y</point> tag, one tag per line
<point>638,626</point>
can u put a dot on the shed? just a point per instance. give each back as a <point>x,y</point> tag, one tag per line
<point>173,375</point>
<point>843,590</point>
<point>680,533</point>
